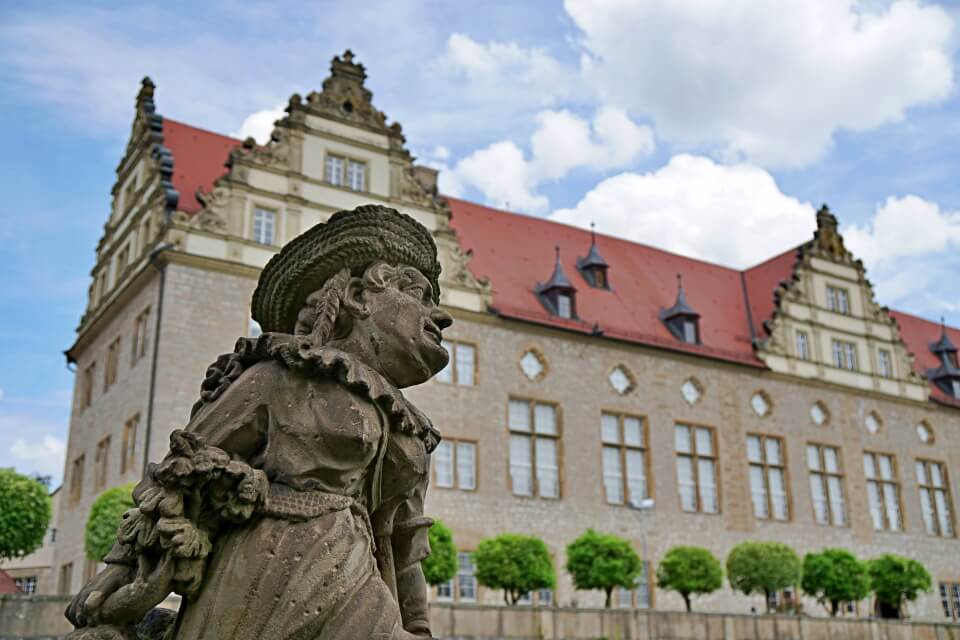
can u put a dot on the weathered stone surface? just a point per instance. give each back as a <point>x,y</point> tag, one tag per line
<point>291,505</point>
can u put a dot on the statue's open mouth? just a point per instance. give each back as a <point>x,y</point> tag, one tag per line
<point>433,331</point>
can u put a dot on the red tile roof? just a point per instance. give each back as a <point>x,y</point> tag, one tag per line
<point>198,158</point>
<point>642,278</point>
<point>919,334</point>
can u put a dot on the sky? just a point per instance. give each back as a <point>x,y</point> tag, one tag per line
<point>712,128</point>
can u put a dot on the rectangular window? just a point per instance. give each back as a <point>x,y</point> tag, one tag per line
<point>885,363</point>
<point>461,370</point>
<point>935,501</point>
<point>639,596</point>
<point>146,234</point>
<point>466,580</point>
<point>334,170</point>
<point>838,300</point>
<point>101,464</point>
<point>956,388</point>
<point>26,584</point>
<point>826,485</point>
<point>138,347</point>
<point>564,306</point>
<point>455,465</point>
<point>697,468</point>
<point>66,578</point>
<point>357,175</point>
<point>883,491</point>
<point>86,389</point>
<point>76,478</point>
<point>624,458</point>
<point>128,444</point>
<point>768,477</point>
<point>129,193</point>
<point>950,599</point>
<point>445,591</point>
<point>264,226</point>
<point>123,259</point>
<point>844,355</point>
<point>534,444</point>
<point>690,331</point>
<point>113,359</point>
<point>803,345</point>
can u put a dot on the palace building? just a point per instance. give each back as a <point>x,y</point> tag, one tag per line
<point>593,382</point>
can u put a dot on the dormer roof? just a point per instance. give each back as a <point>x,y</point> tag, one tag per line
<point>944,344</point>
<point>680,308</point>
<point>558,279</point>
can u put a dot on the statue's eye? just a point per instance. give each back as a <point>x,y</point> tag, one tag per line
<point>417,291</point>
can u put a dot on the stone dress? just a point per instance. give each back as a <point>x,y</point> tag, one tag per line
<point>347,457</point>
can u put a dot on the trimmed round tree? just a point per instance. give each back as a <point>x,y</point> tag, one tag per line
<point>25,512</point>
<point>104,519</point>
<point>516,563</point>
<point>602,561</point>
<point>896,580</point>
<point>441,564</point>
<point>689,571</point>
<point>834,576</point>
<point>762,567</point>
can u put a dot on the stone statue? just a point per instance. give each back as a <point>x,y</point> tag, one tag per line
<point>291,506</point>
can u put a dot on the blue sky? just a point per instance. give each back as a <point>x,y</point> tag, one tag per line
<point>708,128</point>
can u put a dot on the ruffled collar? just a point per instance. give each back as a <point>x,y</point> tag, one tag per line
<point>319,362</point>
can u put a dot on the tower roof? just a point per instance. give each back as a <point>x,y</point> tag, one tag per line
<point>558,279</point>
<point>944,344</point>
<point>593,257</point>
<point>680,307</point>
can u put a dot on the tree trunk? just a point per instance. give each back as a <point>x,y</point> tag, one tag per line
<point>686,601</point>
<point>609,592</point>
<point>766,596</point>
<point>506,599</point>
<point>834,607</point>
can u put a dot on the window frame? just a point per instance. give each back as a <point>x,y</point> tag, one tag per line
<point>141,338</point>
<point>112,364</point>
<point>622,449</point>
<point>834,296</point>
<point>803,353</point>
<point>765,467</point>
<point>532,436</point>
<point>77,472</point>
<point>695,458</point>
<point>824,475</point>
<point>128,443</point>
<point>275,224</point>
<point>948,496</point>
<point>452,365</point>
<point>647,573</point>
<point>884,363</point>
<point>454,582</point>
<point>101,464</point>
<point>345,161</point>
<point>949,592</point>
<point>848,354</point>
<point>880,482</point>
<point>455,465</point>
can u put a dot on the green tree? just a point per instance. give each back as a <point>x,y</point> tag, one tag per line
<point>762,567</point>
<point>516,563</point>
<point>895,580</point>
<point>689,571</point>
<point>602,561</point>
<point>834,576</point>
<point>441,564</point>
<point>104,518</point>
<point>25,512</point>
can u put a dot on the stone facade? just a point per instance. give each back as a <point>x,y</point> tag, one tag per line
<point>180,268</point>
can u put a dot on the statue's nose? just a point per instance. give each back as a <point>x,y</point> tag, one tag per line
<point>441,318</point>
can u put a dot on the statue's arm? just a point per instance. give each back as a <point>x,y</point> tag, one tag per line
<point>411,545</point>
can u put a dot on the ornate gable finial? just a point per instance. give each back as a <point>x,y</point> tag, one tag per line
<point>827,237</point>
<point>145,102</point>
<point>344,96</point>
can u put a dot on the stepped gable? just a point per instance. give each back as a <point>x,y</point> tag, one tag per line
<point>199,156</point>
<point>761,283</point>
<point>511,250</point>
<point>919,334</point>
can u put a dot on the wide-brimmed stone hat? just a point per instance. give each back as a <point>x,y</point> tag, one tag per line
<point>349,239</point>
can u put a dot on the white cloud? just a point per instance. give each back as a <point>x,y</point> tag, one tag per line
<point>731,214</point>
<point>43,456</point>
<point>907,226</point>
<point>562,142</point>
<point>259,124</point>
<point>441,153</point>
<point>769,81</point>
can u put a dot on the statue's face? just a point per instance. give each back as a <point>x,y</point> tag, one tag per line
<point>405,329</point>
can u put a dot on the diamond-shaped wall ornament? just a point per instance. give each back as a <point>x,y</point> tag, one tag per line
<point>872,423</point>
<point>819,414</point>
<point>691,391</point>
<point>760,403</point>
<point>925,433</point>
<point>533,365</point>
<point>622,380</point>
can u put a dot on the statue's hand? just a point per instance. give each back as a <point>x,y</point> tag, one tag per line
<point>132,601</point>
<point>84,609</point>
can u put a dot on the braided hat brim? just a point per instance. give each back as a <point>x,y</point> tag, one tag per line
<point>349,239</point>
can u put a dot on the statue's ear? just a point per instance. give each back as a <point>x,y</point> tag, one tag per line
<point>354,299</point>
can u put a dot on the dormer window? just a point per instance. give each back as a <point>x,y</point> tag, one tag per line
<point>947,375</point>
<point>592,266</point>
<point>558,295</point>
<point>680,319</point>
